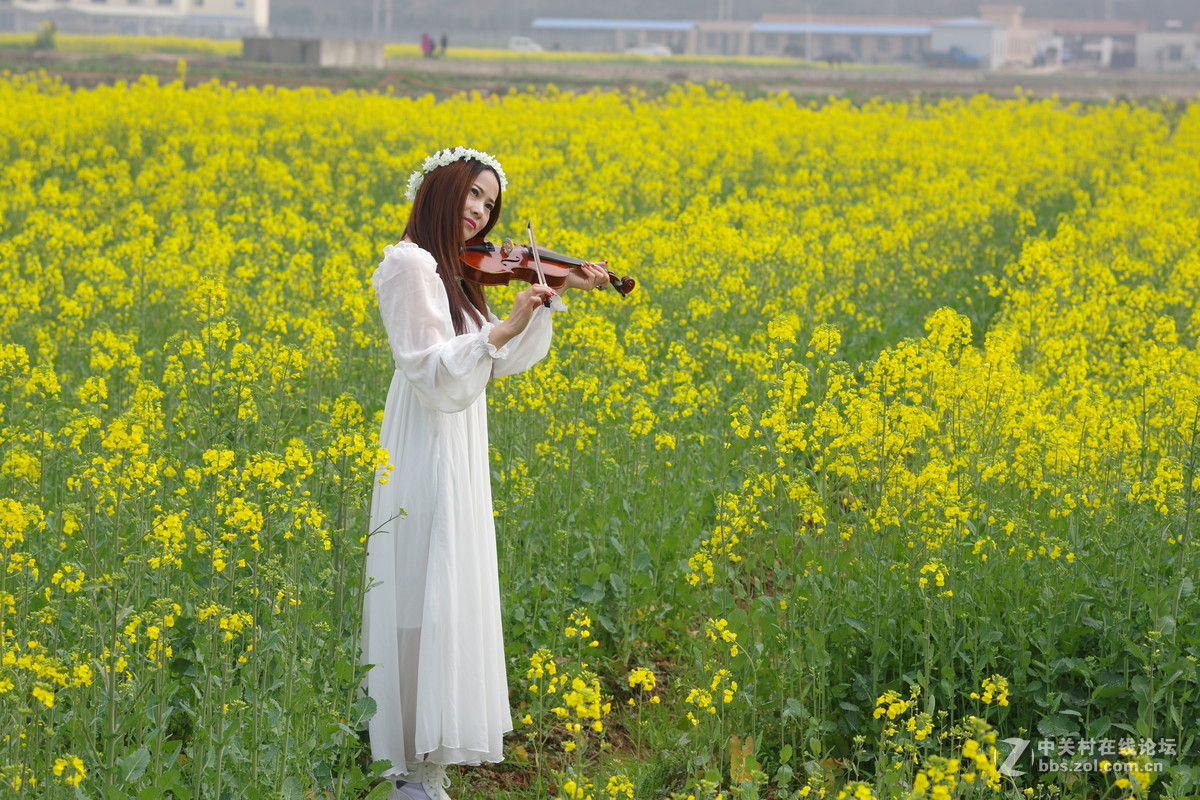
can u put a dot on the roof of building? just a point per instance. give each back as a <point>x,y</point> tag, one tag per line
<point>847,24</point>
<point>135,12</point>
<point>850,19</point>
<point>1089,27</point>
<point>1162,33</point>
<point>586,24</point>
<point>841,28</point>
<point>964,22</point>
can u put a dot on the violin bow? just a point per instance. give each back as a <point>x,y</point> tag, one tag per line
<point>537,260</point>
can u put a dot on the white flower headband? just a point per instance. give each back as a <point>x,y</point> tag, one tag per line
<point>448,156</point>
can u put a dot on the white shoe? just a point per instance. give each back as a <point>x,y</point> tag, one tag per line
<point>409,791</point>
<point>429,782</point>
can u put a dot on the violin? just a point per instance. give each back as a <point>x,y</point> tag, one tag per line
<point>489,265</point>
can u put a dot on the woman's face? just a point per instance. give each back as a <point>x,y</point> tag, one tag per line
<point>481,199</point>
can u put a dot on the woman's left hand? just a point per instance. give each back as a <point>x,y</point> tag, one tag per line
<point>588,276</point>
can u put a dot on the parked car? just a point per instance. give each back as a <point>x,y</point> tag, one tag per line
<point>649,49</point>
<point>838,58</point>
<point>524,44</point>
<point>954,58</point>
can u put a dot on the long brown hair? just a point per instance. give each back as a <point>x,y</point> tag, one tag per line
<point>435,223</point>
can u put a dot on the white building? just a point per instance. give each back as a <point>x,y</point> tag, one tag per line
<point>211,17</point>
<point>1169,51</point>
<point>1026,44</point>
<point>614,35</point>
<point>973,36</point>
<point>861,39</point>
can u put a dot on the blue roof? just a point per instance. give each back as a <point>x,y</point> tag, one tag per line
<point>585,24</point>
<point>841,28</point>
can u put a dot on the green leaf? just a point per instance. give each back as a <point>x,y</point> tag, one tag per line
<point>291,789</point>
<point>361,713</point>
<point>380,792</point>
<point>169,781</point>
<point>793,708</point>
<point>1107,691</point>
<point>1143,729</point>
<point>1056,727</point>
<point>590,593</point>
<point>1099,727</point>
<point>133,766</point>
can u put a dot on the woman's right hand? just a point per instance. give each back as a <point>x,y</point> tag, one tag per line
<point>526,302</point>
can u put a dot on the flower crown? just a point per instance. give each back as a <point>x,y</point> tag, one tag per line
<point>448,156</point>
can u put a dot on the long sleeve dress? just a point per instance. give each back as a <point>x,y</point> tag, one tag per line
<point>432,626</point>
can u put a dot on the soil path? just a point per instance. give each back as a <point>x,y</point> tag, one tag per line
<point>417,76</point>
<point>1081,85</point>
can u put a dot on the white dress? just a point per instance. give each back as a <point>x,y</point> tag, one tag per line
<point>431,625</point>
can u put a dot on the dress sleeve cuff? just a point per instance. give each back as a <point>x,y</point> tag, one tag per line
<point>487,346</point>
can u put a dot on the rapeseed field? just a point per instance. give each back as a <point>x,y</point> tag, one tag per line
<point>881,484</point>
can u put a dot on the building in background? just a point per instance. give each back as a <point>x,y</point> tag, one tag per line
<point>219,18</point>
<point>613,35</point>
<point>1026,43</point>
<point>1099,43</point>
<point>1170,48</point>
<point>326,52</point>
<point>874,40</point>
<point>722,38</point>
<point>998,38</point>
<point>983,41</point>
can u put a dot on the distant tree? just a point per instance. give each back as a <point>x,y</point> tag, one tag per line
<point>45,36</point>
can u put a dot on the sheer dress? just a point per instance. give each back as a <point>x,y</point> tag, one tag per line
<point>431,625</point>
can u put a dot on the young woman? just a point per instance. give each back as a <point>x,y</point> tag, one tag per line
<point>432,616</point>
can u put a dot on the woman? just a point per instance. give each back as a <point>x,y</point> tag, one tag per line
<point>432,618</point>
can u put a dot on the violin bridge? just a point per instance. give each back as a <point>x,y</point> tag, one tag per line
<point>506,247</point>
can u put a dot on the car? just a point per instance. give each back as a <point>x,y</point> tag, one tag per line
<point>955,57</point>
<point>523,44</point>
<point>649,49</point>
<point>834,59</point>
